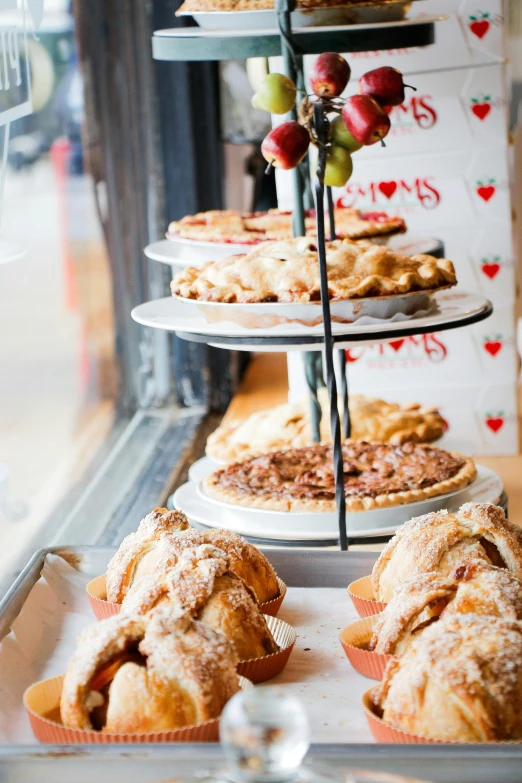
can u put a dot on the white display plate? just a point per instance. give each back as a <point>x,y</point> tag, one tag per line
<point>299,526</point>
<point>201,468</point>
<point>178,316</point>
<point>361,17</point>
<point>182,253</point>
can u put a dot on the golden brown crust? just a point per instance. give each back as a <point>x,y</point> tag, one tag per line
<point>460,680</point>
<point>474,588</point>
<point>288,426</point>
<point>206,6</point>
<point>302,479</point>
<point>202,585</point>
<point>184,674</point>
<point>440,542</point>
<point>288,271</point>
<point>232,227</point>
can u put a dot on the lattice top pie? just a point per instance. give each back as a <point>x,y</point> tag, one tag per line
<point>251,228</point>
<point>288,271</point>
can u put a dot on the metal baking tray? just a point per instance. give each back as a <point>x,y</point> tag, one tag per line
<point>160,763</point>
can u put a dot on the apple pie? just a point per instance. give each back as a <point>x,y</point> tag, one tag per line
<point>199,6</point>
<point>440,542</point>
<point>288,271</point>
<point>250,228</point>
<point>376,475</point>
<point>288,426</point>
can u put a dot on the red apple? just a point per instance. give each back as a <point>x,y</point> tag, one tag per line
<point>330,74</point>
<point>365,119</point>
<point>385,85</point>
<point>286,145</point>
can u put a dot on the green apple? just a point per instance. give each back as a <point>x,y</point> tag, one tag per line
<point>276,94</point>
<point>341,136</point>
<point>339,167</point>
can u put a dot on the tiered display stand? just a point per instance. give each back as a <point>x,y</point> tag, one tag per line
<point>453,310</point>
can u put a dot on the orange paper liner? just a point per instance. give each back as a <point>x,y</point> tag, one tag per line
<point>387,734</point>
<point>97,594</point>
<point>354,638</point>
<point>262,669</point>
<point>43,698</point>
<point>361,593</point>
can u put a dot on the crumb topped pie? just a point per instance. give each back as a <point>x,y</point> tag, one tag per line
<point>288,271</point>
<point>228,226</point>
<point>288,426</point>
<point>376,475</point>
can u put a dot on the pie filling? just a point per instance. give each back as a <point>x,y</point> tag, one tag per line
<point>98,698</point>
<point>369,470</point>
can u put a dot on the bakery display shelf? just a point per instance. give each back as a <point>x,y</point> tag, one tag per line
<point>179,254</point>
<point>196,44</point>
<point>154,763</point>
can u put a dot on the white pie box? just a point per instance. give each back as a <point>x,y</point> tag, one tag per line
<point>481,415</point>
<point>450,110</point>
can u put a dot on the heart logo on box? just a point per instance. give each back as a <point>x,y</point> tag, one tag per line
<point>396,344</point>
<point>486,191</point>
<point>479,27</point>
<point>492,346</point>
<point>388,188</point>
<point>495,423</point>
<point>491,268</point>
<point>481,110</point>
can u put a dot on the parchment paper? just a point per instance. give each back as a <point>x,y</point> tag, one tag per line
<point>43,638</point>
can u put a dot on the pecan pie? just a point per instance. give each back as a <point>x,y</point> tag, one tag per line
<point>250,228</point>
<point>288,426</point>
<point>288,271</point>
<point>376,475</point>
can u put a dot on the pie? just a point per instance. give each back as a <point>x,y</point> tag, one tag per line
<point>459,681</point>
<point>250,228</point>
<point>288,271</point>
<point>477,588</point>
<point>203,585</point>
<point>155,672</point>
<point>288,426</point>
<point>199,6</point>
<point>440,542</point>
<point>376,475</point>
<point>161,539</point>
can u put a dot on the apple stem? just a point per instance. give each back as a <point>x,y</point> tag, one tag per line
<point>411,87</point>
<point>270,166</point>
<point>382,141</point>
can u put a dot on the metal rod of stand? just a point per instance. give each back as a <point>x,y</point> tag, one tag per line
<point>312,381</point>
<point>327,323</point>
<point>331,213</point>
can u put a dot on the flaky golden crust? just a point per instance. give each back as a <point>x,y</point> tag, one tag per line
<point>202,585</point>
<point>302,479</point>
<point>288,271</point>
<point>440,542</point>
<point>232,227</point>
<point>183,674</point>
<point>288,426</point>
<point>460,680</point>
<point>152,546</point>
<point>478,589</point>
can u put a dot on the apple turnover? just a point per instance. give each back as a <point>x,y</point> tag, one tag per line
<point>250,228</point>
<point>442,541</point>
<point>376,475</point>
<point>203,585</point>
<point>459,681</point>
<point>161,538</point>
<point>288,271</point>
<point>288,426</point>
<point>151,673</point>
<point>476,588</point>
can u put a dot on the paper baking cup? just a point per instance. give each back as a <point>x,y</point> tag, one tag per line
<point>361,593</point>
<point>272,607</point>
<point>43,698</point>
<point>385,733</point>
<point>97,594</point>
<point>354,638</point>
<point>262,669</point>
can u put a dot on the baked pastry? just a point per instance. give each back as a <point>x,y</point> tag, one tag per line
<point>441,541</point>
<point>476,588</point>
<point>161,538</point>
<point>250,228</point>
<point>375,475</point>
<point>203,585</point>
<point>460,681</point>
<point>152,673</point>
<point>288,271</point>
<point>288,426</point>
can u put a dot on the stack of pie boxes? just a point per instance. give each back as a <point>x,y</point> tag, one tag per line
<point>446,170</point>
